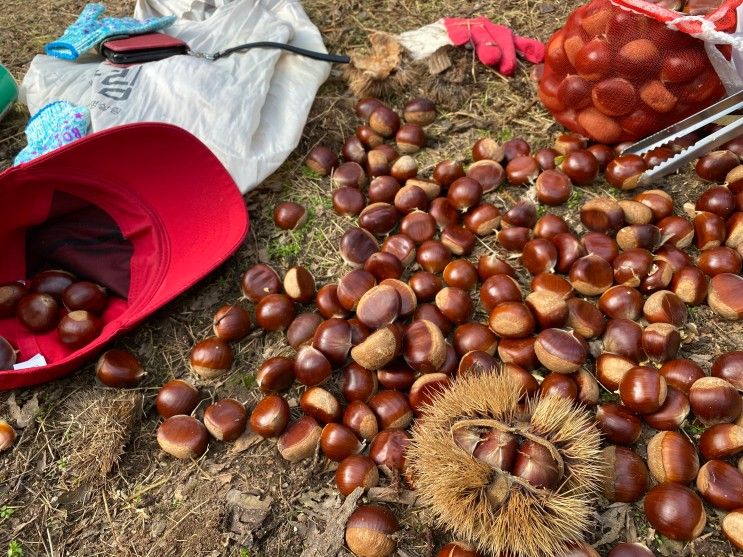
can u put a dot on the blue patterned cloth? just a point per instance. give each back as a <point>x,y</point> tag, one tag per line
<point>56,124</point>
<point>91,29</point>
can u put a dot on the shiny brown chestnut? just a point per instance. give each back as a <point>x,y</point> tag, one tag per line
<point>86,296</point>
<point>353,150</point>
<point>546,158</point>
<point>553,188</point>
<point>474,336</point>
<point>539,256</point>
<point>515,147</point>
<point>383,189</point>
<point>580,166</point>
<point>183,437</point>
<point>379,218</point>
<point>328,304</point>
<point>275,312</point>
<point>458,239</point>
<point>487,148</point>
<point>348,202</point>
<point>461,274</point>
<point>302,329</point>
<point>665,307</point>
<point>724,295</point>
<point>365,106</point>
<point>410,138</point>
<point>10,294</point>
<point>585,319</point>
<point>370,530</point>
<point>321,160</point>
<point>518,351</point>
<point>569,250</point>
<point>357,245</point>
<point>624,171</point>
<point>496,448</point>
<point>729,366</point>
<point>720,259</point>
<point>482,219</point>
<point>38,312</point>
<point>672,458</point>
<point>358,383</point>
<point>598,243</point>
<point>360,419</point>
<point>714,401</point>
<point>338,442</point>
<point>420,110</point>
<point>176,397</point>
<point>489,173</point>
<point>618,424</point>
<point>392,409</point>
<point>549,225</point>
<point>552,284</point>
<point>425,347</point>
<point>427,387</point>
<point>311,367</point>
<point>659,201</point>
<point>660,342</point>
<point>721,485</point>
<point>121,369</point>
<point>300,439</point>
<point>231,323</point>
<point>621,302</point>
<point>681,374</point>
<point>447,171</point>
<point>211,358</point>
<point>260,281</point>
<point>535,464</point>
<point>490,264</point>
<point>431,313</point>
<point>559,384</point>
<point>637,213</point>
<point>455,304</point>
<point>591,275</point>
<point>549,309</point>
<point>523,213</point>
<point>690,284</point>
<point>52,282</point>
<point>626,475</point>
<point>384,121</point>
<point>226,419</point>
<point>356,471</point>
<point>511,320</point>
<point>721,441</point>
<point>289,215</point>
<point>643,390</point>
<point>514,238</point>
<point>671,415</point>
<point>611,368</point>
<point>275,374</point>
<point>560,351</point>
<point>418,226</point>
<point>709,230</point>
<point>623,337</point>
<point>631,267</point>
<point>675,511</point>
<point>715,165</point>
<point>602,214</point>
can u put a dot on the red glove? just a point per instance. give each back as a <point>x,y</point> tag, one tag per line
<point>494,44</point>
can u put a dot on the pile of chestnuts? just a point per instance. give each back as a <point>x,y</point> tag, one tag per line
<point>53,299</point>
<point>601,310</point>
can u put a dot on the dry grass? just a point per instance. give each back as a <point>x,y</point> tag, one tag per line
<point>143,503</point>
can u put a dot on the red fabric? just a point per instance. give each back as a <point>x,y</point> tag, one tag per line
<point>171,198</point>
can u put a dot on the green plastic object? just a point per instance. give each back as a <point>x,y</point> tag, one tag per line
<point>8,91</point>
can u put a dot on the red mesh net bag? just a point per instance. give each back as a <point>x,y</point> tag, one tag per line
<point>621,73</point>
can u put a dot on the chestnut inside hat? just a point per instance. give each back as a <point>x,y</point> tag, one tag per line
<point>145,210</point>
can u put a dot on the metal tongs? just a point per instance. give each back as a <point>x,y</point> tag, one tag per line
<point>711,114</point>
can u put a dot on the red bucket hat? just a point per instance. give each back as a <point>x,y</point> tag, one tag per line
<point>144,209</point>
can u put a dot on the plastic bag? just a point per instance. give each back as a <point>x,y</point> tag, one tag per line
<point>615,75</point>
<point>249,108</point>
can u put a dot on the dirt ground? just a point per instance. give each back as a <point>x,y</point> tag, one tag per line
<point>86,476</point>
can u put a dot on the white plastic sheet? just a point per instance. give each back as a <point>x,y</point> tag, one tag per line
<point>249,107</point>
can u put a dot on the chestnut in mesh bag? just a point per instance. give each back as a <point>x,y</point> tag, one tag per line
<point>619,71</point>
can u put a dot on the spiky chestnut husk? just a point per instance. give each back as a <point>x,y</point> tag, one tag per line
<point>487,507</point>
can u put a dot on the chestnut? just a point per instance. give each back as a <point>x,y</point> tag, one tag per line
<point>289,215</point>
<point>560,351</point>
<point>690,284</point>
<point>559,384</point>
<point>446,172</point>
<point>660,342</point>
<point>431,313</point>
<point>585,319</point>
<point>211,358</point>
<point>348,201</point>
<point>419,226</point>
<point>476,361</point>
<point>396,375</point>
<point>715,165</point>
<point>300,440</point>
<point>364,107</point>
<point>672,458</point>
<point>383,189</point>
<point>8,355</point>
<point>709,230</point>
<point>715,401</point>
<point>611,368</point>
<point>333,339</point>
<point>659,201</point>
<point>401,246</point>
<point>425,285</point>
<point>552,284</point>
<point>681,374</point>
<point>408,299</point>
<point>631,267</point>
<point>38,312</point>
<point>302,329</point>
<point>420,110</point>
<point>645,236</point>
<point>487,148</point>
<point>425,389</point>
<point>721,441</point>
<point>658,155</point>
<point>496,448</point>
<point>546,158</point>
<point>598,243</point>
<point>623,337</point>
<point>675,511</point>
<point>658,278</point>
<point>85,296</point>
<point>511,320</point>
<point>621,302</point>
<point>464,193</point>
<point>7,436</point>
<point>717,199</point>
<point>311,367</point>
<point>569,250</point>
<point>458,549</point>
<point>643,390</point>
<point>625,477</point>
<point>490,264</point>
<point>389,152</point>
<point>514,238</point>
<point>182,437</point>
<point>338,442</point>
<point>482,219</point>
<point>720,259</point>
<point>120,369</point>
<point>369,531</point>
<point>458,239</point>
<point>553,188</point>
<point>721,485</point>
<point>176,397</point>
<point>518,351</point>
<point>379,218</point>
<point>321,160</point>
<point>549,309</point>
<point>356,471</point>
<point>539,256</point>
<point>10,294</point>
<point>275,374</point>
<point>379,306</point>
<point>461,274</point>
<point>580,166</point>
<point>275,312</point>
<point>455,304</point>
<point>568,142</point>
<point>672,414</point>
<point>425,347</point>
<point>602,214</point>
<point>259,281</point>
<point>357,245</point>
<point>591,275</point>
<point>535,464</point>
<point>724,295</point>
<point>618,424</point>
<point>353,150</point>
<point>489,173</point>
<point>550,226</point>
<point>410,138</point>
<point>384,121</point>
<point>732,526</point>
<point>675,257</point>
<point>359,331</point>
<point>379,348</point>
<point>328,304</point>
<point>392,409</point>
<point>358,383</point>
<point>409,198</point>
<point>443,212</point>
<point>368,137</point>
<point>226,419</point>
<point>52,282</point>
<point>630,550</point>
<point>231,323</point>
<point>602,153</point>
<point>360,419</point>
<point>515,147</point>
<point>637,213</point>
<point>665,307</point>
<point>522,170</point>
<point>624,171</point>
<point>729,366</point>
<point>78,328</point>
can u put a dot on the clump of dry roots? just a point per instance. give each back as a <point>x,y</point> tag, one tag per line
<point>499,512</point>
<point>385,68</point>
